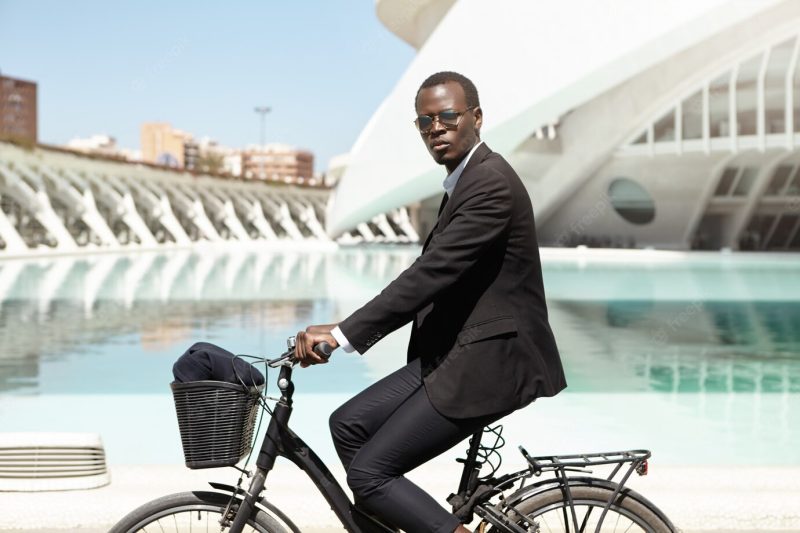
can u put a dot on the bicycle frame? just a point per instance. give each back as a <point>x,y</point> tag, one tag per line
<point>281,441</point>
<point>473,494</point>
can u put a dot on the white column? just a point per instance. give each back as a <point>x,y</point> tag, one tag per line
<point>81,203</point>
<point>8,232</point>
<point>401,218</point>
<point>32,195</point>
<point>385,227</point>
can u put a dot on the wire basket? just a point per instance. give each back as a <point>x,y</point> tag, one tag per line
<point>216,421</point>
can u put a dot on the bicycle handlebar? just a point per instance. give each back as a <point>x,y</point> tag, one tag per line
<point>323,349</point>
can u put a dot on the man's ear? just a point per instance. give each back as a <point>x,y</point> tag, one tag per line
<point>478,114</point>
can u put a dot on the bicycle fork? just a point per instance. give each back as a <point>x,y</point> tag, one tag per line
<point>266,460</point>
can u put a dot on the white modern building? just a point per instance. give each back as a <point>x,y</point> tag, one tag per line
<point>633,123</point>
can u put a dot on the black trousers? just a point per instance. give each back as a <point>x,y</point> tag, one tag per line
<point>389,429</point>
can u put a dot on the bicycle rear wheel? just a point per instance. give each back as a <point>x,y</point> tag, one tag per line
<point>550,513</point>
<point>189,512</point>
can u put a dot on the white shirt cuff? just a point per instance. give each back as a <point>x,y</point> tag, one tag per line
<point>344,344</point>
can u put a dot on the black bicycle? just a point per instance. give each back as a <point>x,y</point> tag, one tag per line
<point>217,421</point>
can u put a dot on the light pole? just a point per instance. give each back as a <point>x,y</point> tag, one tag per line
<point>262,110</point>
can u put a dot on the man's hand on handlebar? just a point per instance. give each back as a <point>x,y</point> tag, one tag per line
<point>306,340</point>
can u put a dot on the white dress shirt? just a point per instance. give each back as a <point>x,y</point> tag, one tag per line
<point>449,185</point>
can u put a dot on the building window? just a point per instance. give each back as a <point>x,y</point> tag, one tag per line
<point>784,230</point>
<point>664,128</point>
<point>779,179</point>
<point>692,120</point>
<point>631,201</point>
<point>794,187</point>
<point>746,95</point>
<point>755,236</point>
<point>775,87</point>
<point>718,106</point>
<point>746,179</point>
<point>726,181</point>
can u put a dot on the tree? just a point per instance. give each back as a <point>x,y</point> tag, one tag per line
<point>210,162</point>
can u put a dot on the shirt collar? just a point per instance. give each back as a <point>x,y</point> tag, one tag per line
<point>450,181</point>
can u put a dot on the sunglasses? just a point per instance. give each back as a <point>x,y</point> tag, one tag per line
<point>448,118</point>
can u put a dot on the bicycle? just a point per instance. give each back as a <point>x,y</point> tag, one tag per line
<point>578,504</point>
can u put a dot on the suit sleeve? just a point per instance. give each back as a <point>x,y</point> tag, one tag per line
<point>481,216</point>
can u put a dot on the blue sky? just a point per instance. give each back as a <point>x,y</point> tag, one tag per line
<point>106,67</point>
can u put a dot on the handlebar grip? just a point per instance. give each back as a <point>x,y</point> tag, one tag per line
<point>323,350</point>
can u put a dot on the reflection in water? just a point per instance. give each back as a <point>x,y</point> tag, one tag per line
<point>188,275</point>
<point>105,314</point>
<point>714,350</point>
<point>70,308</point>
<point>116,339</point>
<point>696,346</point>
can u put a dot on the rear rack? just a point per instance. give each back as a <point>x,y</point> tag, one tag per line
<point>560,463</point>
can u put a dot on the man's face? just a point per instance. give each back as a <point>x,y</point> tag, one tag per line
<point>449,145</point>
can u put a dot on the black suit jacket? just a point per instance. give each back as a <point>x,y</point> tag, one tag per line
<point>476,299</point>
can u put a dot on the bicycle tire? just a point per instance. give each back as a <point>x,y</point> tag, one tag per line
<point>177,512</point>
<point>589,502</point>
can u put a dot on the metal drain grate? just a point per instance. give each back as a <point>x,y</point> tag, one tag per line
<point>52,461</point>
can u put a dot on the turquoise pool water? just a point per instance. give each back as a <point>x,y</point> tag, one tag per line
<point>697,359</point>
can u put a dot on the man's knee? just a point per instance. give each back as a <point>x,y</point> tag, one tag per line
<point>339,426</point>
<point>362,482</point>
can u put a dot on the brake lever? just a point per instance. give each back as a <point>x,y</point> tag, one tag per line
<point>286,359</point>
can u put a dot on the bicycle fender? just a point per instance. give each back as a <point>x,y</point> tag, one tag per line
<point>262,502</point>
<point>548,484</point>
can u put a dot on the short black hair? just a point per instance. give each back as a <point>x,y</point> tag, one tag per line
<point>470,91</point>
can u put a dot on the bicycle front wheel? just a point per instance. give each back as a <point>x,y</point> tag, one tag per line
<point>548,512</point>
<point>190,512</point>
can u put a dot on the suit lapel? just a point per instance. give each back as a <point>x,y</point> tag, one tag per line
<point>480,154</point>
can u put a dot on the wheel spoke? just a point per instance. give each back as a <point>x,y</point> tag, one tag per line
<point>586,518</point>
<point>556,515</point>
<point>547,525</point>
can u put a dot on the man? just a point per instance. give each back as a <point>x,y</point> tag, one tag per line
<point>480,345</point>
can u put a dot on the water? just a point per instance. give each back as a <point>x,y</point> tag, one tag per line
<point>696,359</point>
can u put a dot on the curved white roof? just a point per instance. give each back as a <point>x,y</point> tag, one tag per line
<point>532,62</point>
<point>412,20</point>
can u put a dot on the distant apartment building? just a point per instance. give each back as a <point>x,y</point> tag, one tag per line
<point>164,145</point>
<point>278,162</point>
<point>18,110</point>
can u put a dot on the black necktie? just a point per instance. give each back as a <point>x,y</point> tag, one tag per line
<point>438,217</point>
<point>444,201</point>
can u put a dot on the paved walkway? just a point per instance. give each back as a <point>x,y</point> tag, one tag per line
<point>696,498</point>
